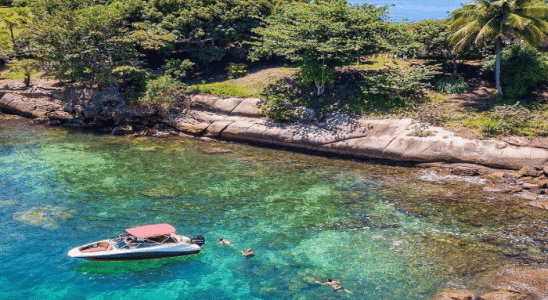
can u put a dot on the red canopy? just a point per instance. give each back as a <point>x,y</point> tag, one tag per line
<point>147,231</point>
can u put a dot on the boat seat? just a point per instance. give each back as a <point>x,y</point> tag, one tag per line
<point>96,249</point>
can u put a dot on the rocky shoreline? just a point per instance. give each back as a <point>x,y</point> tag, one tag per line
<point>504,167</point>
<point>499,167</point>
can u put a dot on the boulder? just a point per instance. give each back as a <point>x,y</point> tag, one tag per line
<point>540,203</point>
<point>59,115</point>
<point>530,171</point>
<point>454,294</point>
<point>248,107</point>
<point>27,107</point>
<point>505,295</point>
<point>509,280</point>
<point>465,171</point>
<point>123,129</point>
<point>492,189</point>
<point>527,195</point>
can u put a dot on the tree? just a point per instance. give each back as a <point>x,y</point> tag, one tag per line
<point>82,43</point>
<point>207,31</point>
<point>501,21</point>
<point>13,18</point>
<point>320,35</point>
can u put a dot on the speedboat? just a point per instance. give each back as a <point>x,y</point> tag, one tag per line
<point>137,243</point>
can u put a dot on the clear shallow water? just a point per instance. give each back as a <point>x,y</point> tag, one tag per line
<point>307,218</point>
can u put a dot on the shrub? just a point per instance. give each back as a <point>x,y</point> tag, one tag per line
<point>276,108</point>
<point>451,85</point>
<point>177,68</point>
<point>489,127</point>
<point>236,70</point>
<point>28,67</point>
<point>395,88</point>
<point>523,69</point>
<point>166,93</point>
<point>313,72</point>
<point>509,118</point>
<point>131,79</point>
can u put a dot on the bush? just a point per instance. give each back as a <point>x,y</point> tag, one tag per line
<point>177,68</point>
<point>506,119</point>
<point>166,93</point>
<point>236,70</point>
<point>313,72</point>
<point>523,69</point>
<point>131,80</point>
<point>395,88</point>
<point>451,85</point>
<point>276,108</point>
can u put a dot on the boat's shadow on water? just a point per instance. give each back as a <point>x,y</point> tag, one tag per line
<point>122,267</point>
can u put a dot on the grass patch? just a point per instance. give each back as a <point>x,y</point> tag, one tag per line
<point>226,89</point>
<point>251,85</point>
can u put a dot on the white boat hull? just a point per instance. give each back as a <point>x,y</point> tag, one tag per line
<point>153,252</point>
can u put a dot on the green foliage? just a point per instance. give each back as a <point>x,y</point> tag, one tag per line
<point>226,89</point>
<point>394,88</point>
<point>166,93</point>
<point>276,108</point>
<point>131,80</point>
<point>524,69</point>
<point>490,127</point>
<point>28,67</point>
<point>236,70</point>
<point>498,21</point>
<point>328,32</point>
<point>507,119</point>
<point>207,30</point>
<point>80,41</point>
<point>450,85</point>
<point>314,72</point>
<point>177,68</point>
<point>13,19</point>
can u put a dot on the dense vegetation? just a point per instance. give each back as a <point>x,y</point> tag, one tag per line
<point>348,57</point>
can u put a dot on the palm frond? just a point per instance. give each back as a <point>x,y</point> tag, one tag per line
<point>517,21</point>
<point>466,30</point>
<point>540,12</point>
<point>541,24</point>
<point>534,36</point>
<point>488,30</point>
<point>463,42</point>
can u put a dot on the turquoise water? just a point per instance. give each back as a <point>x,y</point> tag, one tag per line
<point>307,218</point>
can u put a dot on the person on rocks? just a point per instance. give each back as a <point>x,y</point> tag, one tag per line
<point>224,242</point>
<point>335,285</point>
<point>248,253</point>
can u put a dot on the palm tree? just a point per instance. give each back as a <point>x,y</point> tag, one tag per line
<point>501,21</point>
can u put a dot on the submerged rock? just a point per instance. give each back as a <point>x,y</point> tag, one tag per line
<point>513,282</point>
<point>540,203</point>
<point>46,217</point>
<point>505,295</point>
<point>454,294</point>
<point>7,203</point>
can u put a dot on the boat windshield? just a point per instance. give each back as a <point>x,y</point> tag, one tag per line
<point>129,241</point>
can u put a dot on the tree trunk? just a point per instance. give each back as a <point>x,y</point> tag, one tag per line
<point>498,66</point>
<point>12,37</point>
<point>320,86</point>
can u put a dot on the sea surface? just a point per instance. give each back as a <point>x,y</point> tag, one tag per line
<point>375,228</point>
<point>415,10</point>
